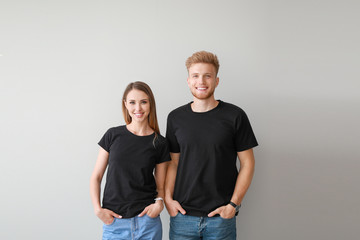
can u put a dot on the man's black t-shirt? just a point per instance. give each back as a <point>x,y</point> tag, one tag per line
<point>208,143</point>
<point>130,183</point>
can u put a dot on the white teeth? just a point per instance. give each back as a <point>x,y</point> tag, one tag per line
<point>201,88</point>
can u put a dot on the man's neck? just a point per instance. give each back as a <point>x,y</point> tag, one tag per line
<point>204,105</point>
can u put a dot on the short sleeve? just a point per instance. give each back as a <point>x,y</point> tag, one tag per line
<point>105,141</point>
<point>170,136</point>
<point>162,149</point>
<point>244,135</point>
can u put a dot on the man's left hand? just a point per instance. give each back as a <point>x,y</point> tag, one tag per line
<point>226,212</point>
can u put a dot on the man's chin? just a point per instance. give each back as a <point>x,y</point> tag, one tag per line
<point>203,96</point>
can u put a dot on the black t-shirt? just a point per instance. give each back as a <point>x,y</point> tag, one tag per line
<point>130,183</point>
<point>208,143</point>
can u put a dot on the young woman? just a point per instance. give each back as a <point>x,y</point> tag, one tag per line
<point>133,194</point>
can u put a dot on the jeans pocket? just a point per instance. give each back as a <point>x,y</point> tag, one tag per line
<point>175,215</point>
<point>152,217</point>
<point>110,223</point>
<point>226,219</point>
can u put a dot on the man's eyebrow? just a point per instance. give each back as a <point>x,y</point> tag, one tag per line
<point>203,74</point>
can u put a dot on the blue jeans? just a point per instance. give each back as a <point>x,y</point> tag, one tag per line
<point>184,227</point>
<point>134,228</point>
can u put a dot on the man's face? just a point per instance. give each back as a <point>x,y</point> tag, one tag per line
<point>202,80</point>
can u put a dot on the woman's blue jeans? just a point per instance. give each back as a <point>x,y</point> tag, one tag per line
<point>134,228</point>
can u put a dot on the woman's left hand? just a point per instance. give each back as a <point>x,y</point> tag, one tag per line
<point>153,210</point>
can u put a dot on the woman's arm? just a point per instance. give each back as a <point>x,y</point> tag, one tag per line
<point>105,215</point>
<point>160,175</point>
<point>153,210</point>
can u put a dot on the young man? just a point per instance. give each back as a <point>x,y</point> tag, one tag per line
<point>204,190</point>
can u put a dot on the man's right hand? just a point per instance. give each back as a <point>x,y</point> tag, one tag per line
<point>106,215</point>
<point>173,207</point>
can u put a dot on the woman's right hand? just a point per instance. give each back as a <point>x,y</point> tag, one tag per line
<point>106,215</point>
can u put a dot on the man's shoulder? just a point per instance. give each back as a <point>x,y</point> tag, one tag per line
<point>232,107</point>
<point>179,110</point>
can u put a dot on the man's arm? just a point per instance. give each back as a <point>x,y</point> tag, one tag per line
<point>247,167</point>
<point>172,206</point>
<point>243,181</point>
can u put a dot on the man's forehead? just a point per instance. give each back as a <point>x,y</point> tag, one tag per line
<point>202,67</point>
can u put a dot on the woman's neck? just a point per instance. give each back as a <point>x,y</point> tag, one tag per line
<point>140,129</point>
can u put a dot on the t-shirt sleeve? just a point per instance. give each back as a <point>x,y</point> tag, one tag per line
<point>163,151</point>
<point>170,136</point>
<point>105,141</point>
<point>244,135</point>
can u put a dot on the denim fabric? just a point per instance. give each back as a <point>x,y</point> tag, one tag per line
<point>184,227</point>
<point>135,228</point>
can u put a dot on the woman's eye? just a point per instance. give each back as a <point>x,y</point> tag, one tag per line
<point>131,102</point>
<point>143,102</point>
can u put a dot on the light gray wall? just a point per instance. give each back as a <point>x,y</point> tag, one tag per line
<point>293,66</point>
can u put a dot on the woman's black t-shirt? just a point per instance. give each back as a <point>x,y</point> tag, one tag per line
<point>130,183</point>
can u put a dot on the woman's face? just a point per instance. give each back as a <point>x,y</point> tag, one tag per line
<point>138,105</point>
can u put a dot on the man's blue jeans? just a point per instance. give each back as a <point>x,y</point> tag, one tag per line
<point>184,227</point>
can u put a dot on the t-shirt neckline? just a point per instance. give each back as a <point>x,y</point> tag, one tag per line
<point>210,111</point>
<point>133,134</point>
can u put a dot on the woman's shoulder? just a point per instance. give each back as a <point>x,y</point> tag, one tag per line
<point>160,139</point>
<point>117,128</point>
<point>113,131</point>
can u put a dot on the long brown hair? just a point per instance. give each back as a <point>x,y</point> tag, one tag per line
<point>152,118</point>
